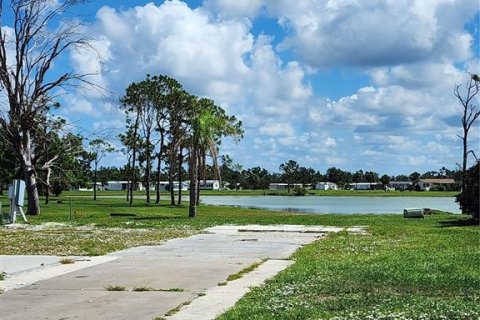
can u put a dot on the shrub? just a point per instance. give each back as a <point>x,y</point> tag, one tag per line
<point>58,187</point>
<point>299,191</point>
<point>469,197</point>
<point>438,188</point>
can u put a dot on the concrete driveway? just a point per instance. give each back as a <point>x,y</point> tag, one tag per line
<point>182,279</point>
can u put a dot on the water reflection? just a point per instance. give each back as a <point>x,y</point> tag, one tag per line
<point>342,205</point>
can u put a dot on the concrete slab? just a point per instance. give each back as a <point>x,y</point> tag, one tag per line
<point>23,274</point>
<point>68,304</point>
<point>221,298</point>
<point>17,264</point>
<point>157,273</point>
<point>191,268</point>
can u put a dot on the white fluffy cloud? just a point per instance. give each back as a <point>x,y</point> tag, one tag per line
<point>375,32</point>
<point>411,52</point>
<point>228,8</point>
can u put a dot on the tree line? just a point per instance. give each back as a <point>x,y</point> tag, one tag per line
<point>291,172</point>
<point>258,178</point>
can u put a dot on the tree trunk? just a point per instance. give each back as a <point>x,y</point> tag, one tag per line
<point>159,167</point>
<point>29,173</point>
<point>47,185</point>
<point>197,200</point>
<point>134,159</point>
<point>180,162</point>
<point>192,207</point>
<point>95,182</point>
<point>170,184</point>
<point>171,172</point>
<point>127,174</point>
<point>465,156</point>
<point>32,191</point>
<point>159,177</point>
<point>148,168</point>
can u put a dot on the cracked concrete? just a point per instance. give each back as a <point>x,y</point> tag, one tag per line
<point>157,280</point>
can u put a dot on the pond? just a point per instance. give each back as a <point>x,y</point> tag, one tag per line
<point>341,205</point>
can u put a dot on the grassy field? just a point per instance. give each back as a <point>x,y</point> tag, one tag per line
<point>403,269</point>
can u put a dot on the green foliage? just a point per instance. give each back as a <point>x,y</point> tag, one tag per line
<point>437,188</point>
<point>338,176</point>
<point>299,191</point>
<point>385,180</point>
<point>58,187</point>
<point>158,108</point>
<point>469,197</point>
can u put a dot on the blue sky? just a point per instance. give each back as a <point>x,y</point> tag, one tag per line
<point>352,84</point>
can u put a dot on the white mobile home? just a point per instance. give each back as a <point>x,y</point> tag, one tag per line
<point>165,186</point>
<point>364,185</point>
<point>399,185</point>
<point>326,186</point>
<point>121,185</point>
<point>209,185</point>
<point>283,186</point>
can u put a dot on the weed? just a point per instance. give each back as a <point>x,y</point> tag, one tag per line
<point>248,269</point>
<point>141,289</point>
<point>177,308</point>
<point>173,290</point>
<point>115,288</point>
<point>67,261</point>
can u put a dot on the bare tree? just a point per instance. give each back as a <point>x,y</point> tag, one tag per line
<point>470,114</point>
<point>38,37</point>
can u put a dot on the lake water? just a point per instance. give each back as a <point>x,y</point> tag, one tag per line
<point>343,205</point>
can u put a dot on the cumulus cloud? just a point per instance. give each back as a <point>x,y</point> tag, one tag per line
<point>375,32</point>
<point>228,8</point>
<point>411,61</point>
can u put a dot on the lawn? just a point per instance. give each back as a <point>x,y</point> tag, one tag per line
<point>403,269</point>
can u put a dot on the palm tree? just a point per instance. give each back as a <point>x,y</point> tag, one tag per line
<point>209,123</point>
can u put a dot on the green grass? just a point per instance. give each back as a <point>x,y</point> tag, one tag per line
<point>244,271</point>
<point>404,269</point>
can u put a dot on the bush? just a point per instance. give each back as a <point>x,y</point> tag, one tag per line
<point>299,191</point>
<point>469,197</point>
<point>437,188</point>
<point>58,187</point>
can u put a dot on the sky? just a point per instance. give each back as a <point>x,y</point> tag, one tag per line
<point>346,83</point>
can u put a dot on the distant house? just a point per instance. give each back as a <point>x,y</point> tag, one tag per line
<point>326,186</point>
<point>365,185</point>
<point>165,186</point>
<point>98,186</point>
<point>400,185</point>
<point>427,184</point>
<point>209,185</point>
<point>121,185</point>
<point>90,187</point>
<point>283,186</point>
